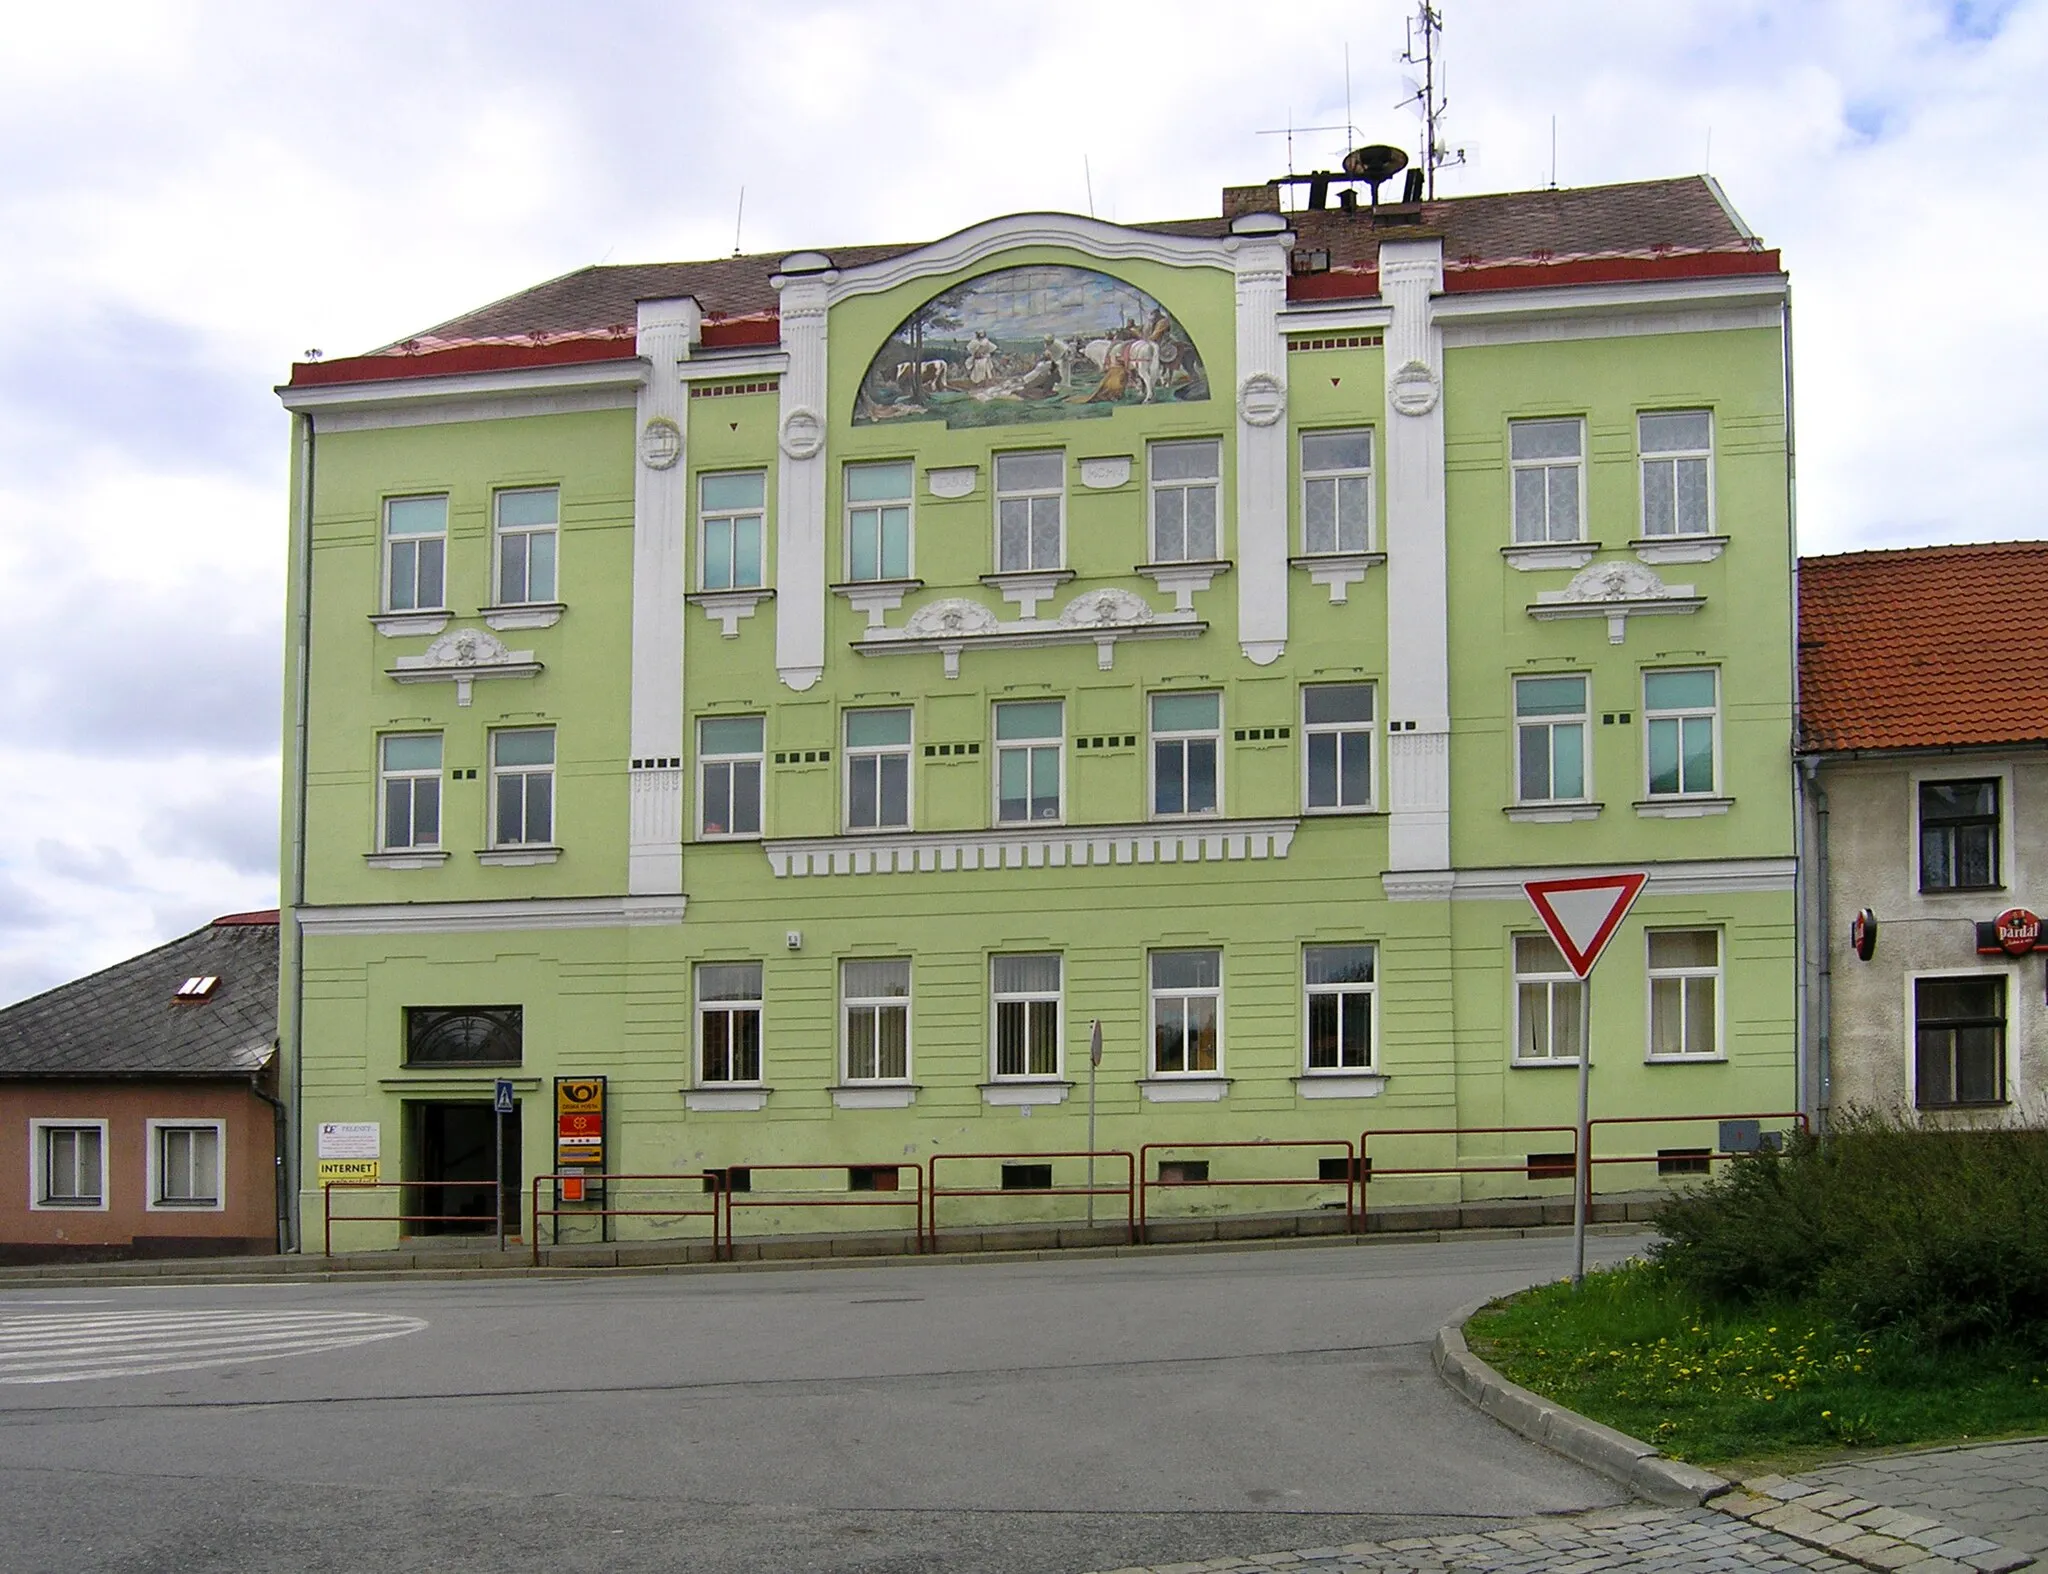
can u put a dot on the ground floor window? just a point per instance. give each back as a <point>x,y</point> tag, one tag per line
<point>1550,1003</point>
<point>729,1021</point>
<point>1340,981</point>
<point>185,1164</point>
<point>70,1159</point>
<point>1685,988</point>
<point>1958,1041</point>
<point>1187,1000</point>
<point>876,997</point>
<point>1025,993</point>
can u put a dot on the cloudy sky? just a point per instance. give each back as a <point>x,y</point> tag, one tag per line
<point>194,193</point>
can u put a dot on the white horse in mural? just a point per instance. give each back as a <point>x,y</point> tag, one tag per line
<point>1138,358</point>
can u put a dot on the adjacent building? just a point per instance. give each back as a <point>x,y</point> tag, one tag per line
<point>139,1114</point>
<point>1924,739</point>
<point>809,692</point>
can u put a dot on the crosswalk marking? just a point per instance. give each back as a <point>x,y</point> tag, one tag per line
<point>72,1347</point>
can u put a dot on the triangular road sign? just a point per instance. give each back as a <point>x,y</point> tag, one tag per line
<point>1583,912</point>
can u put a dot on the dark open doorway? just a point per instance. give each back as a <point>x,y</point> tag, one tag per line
<point>457,1143</point>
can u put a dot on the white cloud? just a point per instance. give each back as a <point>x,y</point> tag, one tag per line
<point>194,195</point>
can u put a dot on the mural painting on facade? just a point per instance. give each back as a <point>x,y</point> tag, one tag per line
<point>1043,343</point>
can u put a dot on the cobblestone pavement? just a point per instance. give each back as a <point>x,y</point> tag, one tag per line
<point>1649,1540</point>
<point>1995,1490</point>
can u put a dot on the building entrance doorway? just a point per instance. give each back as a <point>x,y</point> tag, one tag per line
<point>454,1148</point>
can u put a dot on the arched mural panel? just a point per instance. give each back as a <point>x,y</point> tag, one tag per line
<point>1039,343</point>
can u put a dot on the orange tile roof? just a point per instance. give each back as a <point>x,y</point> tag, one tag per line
<point>1925,647</point>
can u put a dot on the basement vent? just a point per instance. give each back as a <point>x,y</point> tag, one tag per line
<point>1553,1166</point>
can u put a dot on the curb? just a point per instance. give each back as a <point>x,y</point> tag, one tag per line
<point>1627,1460</point>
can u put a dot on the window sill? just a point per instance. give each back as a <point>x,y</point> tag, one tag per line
<point>1685,1060</point>
<point>1959,890</point>
<point>516,857</point>
<point>876,596</point>
<point>410,858</point>
<point>62,1205</point>
<point>399,625</point>
<point>1340,1084</point>
<point>1338,570</point>
<point>727,607</point>
<point>1026,1091</point>
<point>1027,587</point>
<point>1197,1088</point>
<point>1544,1065</point>
<point>874,1095</point>
<point>524,615</point>
<point>1347,811</point>
<point>1531,555</point>
<point>720,836</point>
<point>1681,808</point>
<point>1678,549</point>
<point>1920,1109</point>
<point>1552,813</point>
<point>161,1206</point>
<point>726,1098</point>
<point>1182,580</point>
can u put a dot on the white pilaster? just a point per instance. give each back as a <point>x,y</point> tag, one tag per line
<point>1260,257</point>
<point>1418,634</point>
<point>801,539</point>
<point>654,862</point>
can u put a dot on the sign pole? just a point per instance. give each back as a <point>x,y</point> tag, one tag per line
<point>1582,1167</point>
<point>1094,1060</point>
<point>498,1202</point>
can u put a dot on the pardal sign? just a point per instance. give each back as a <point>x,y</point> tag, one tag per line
<point>1582,912</point>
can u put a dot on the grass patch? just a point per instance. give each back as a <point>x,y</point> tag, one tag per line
<point>1713,1382</point>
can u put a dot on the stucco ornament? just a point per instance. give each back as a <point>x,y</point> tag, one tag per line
<point>1413,389</point>
<point>954,615</point>
<point>661,443</point>
<point>1104,609</point>
<point>1261,399</point>
<point>1105,471</point>
<point>803,434</point>
<point>953,481</point>
<point>465,648</point>
<point>1615,582</point>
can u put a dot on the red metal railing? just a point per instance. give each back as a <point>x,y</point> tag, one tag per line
<point>1713,1154</point>
<point>1127,1190</point>
<point>1146,1183</point>
<point>711,1181</point>
<point>1370,1171</point>
<point>487,1222</point>
<point>735,1200</point>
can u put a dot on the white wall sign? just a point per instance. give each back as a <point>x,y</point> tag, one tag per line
<point>351,1139</point>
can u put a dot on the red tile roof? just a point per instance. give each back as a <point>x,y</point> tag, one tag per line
<point>1925,647</point>
<point>1501,240</point>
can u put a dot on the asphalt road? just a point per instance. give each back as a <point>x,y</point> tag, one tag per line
<point>1005,1418</point>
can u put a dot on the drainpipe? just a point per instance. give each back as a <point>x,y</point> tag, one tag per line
<point>280,1123</point>
<point>1810,1080</point>
<point>1822,941</point>
<point>302,644</point>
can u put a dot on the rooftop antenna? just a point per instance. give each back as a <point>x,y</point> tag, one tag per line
<point>739,219</point>
<point>1350,126</point>
<point>1088,176</point>
<point>1553,152</point>
<point>1289,132</point>
<point>1428,25</point>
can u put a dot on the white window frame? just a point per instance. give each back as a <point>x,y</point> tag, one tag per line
<point>1311,991</point>
<point>413,775</point>
<point>1154,993</point>
<point>707,760</point>
<point>1336,477</point>
<point>1517,467</point>
<point>1029,496</point>
<point>1717,973</point>
<point>1155,488</point>
<point>856,756</point>
<point>500,531</point>
<point>848,1004</point>
<point>1553,981</point>
<point>708,517</point>
<point>389,552</point>
<point>1000,747</point>
<point>549,770</point>
<point>155,1201</point>
<point>757,1005</point>
<point>1582,718</point>
<point>1027,998</point>
<point>1672,457</point>
<point>1341,730</point>
<point>2011,1072</point>
<point>1681,714</point>
<point>907,501</point>
<point>39,1128</point>
<point>1183,736</point>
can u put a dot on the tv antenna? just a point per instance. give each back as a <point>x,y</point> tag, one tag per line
<point>1289,130</point>
<point>1427,27</point>
<point>739,219</point>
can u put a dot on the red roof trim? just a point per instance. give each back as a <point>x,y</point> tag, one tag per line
<point>1605,270</point>
<point>460,360</point>
<point>1348,284</point>
<point>742,331</point>
<point>267,916</point>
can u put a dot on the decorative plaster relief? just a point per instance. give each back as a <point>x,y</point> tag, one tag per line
<point>1678,549</point>
<point>1261,399</point>
<point>1036,847</point>
<point>803,434</point>
<point>1531,555</point>
<point>1182,580</point>
<point>953,481</point>
<point>526,615</point>
<point>953,615</point>
<point>1413,389</point>
<point>1105,471</point>
<point>461,657</point>
<point>876,597</point>
<point>661,443</point>
<point>1095,608</point>
<point>1615,591</point>
<point>1339,570</point>
<point>402,625</point>
<point>1024,591</point>
<point>727,607</point>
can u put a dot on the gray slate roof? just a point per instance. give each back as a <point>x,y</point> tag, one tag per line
<point>125,1022</point>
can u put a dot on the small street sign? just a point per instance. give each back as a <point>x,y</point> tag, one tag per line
<point>502,1103</point>
<point>1583,912</point>
<point>1095,1043</point>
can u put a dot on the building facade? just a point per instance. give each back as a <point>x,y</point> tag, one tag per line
<point>809,693</point>
<point>139,1114</point>
<point>1925,757</point>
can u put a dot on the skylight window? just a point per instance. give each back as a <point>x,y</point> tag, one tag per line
<point>197,988</point>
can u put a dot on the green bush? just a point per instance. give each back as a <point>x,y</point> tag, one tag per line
<point>1940,1235</point>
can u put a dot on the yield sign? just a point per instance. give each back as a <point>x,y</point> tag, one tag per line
<point>1583,912</point>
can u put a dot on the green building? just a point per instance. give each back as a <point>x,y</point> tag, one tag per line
<point>809,692</point>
